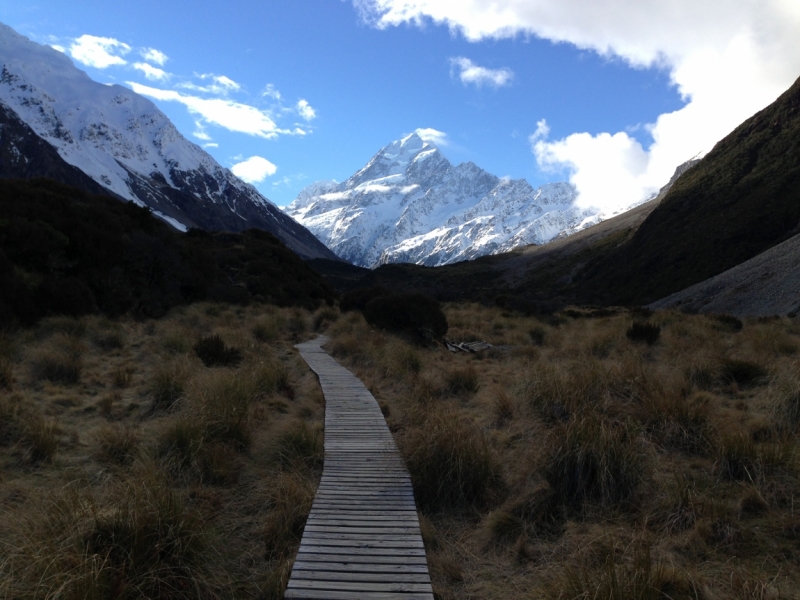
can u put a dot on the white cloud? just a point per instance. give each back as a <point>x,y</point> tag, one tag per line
<point>154,56</point>
<point>271,92</point>
<point>727,58</point>
<point>59,47</point>
<point>219,85</point>
<point>254,170</point>
<point>305,110</point>
<point>231,115</point>
<point>150,72</point>
<point>541,133</point>
<point>99,52</point>
<point>211,145</point>
<point>439,138</point>
<point>469,72</point>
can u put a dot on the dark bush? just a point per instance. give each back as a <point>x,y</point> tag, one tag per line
<point>729,323</point>
<point>743,373</point>
<point>415,315</point>
<point>214,353</point>
<point>359,298</point>
<point>644,332</point>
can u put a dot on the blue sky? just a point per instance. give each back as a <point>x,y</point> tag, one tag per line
<point>547,90</point>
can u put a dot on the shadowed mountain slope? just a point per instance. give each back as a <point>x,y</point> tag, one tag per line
<point>740,200</point>
<point>64,251</point>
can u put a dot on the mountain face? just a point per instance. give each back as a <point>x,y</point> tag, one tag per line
<point>125,144</point>
<point>410,204</point>
<point>741,199</point>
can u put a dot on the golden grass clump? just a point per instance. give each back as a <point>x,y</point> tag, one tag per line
<point>168,382</point>
<point>144,540</point>
<point>590,460</point>
<point>450,463</point>
<point>289,499</point>
<point>117,444</point>
<point>298,443</point>
<point>59,361</point>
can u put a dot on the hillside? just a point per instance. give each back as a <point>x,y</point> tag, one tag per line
<point>64,251</point>
<point>740,200</point>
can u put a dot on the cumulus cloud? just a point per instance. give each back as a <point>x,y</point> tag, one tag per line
<point>99,52</point>
<point>231,115</point>
<point>469,72</point>
<point>59,47</point>
<point>727,58</point>
<point>305,110</point>
<point>254,170</point>
<point>150,72</point>
<point>154,56</point>
<point>438,138</point>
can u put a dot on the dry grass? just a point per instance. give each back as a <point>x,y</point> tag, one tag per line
<point>128,469</point>
<point>577,463</point>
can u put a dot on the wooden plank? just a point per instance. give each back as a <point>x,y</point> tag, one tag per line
<point>361,539</point>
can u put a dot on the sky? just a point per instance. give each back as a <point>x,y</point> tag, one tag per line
<point>611,95</point>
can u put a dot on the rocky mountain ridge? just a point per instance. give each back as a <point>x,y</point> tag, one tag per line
<point>410,204</point>
<point>129,147</point>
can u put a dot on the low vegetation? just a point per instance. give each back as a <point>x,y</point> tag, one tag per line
<point>131,469</point>
<point>597,453</point>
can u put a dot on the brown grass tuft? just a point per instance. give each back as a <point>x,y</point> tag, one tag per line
<point>450,462</point>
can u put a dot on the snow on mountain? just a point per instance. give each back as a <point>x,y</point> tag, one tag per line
<point>410,204</point>
<point>124,143</point>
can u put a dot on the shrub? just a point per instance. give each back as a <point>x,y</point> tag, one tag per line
<point>644,332</point>
<point>415,315</point>
<point>327,314</point>
<point>537,334</point>
<point>359,298</point>
<point>117,444</point>
<point>6,374</point>
<point>728,323</point>
<point>742,372</point>
<point>450,463</point>
<point>214,353</point>
<point>590,460</point>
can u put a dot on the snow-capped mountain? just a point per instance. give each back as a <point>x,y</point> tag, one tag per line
<point>410,204</point>
<point>126,145</point>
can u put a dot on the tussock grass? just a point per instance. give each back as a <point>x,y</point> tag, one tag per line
<point>168,382</point>
<point>290,499</point>
<point>160,461</point>
<point>117,444</point>
<point>599,441</point>
<point>59,361</point>
<point>593,461</point>
<point>451,464</point>
<point>640,577</point>
<point>299,443</point>
<point>6,374</point>
<point>462,380</point>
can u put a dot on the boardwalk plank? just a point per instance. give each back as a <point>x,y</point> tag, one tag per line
<point>362,537</point>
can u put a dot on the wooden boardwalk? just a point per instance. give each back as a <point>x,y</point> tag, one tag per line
<point>362,537</point>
